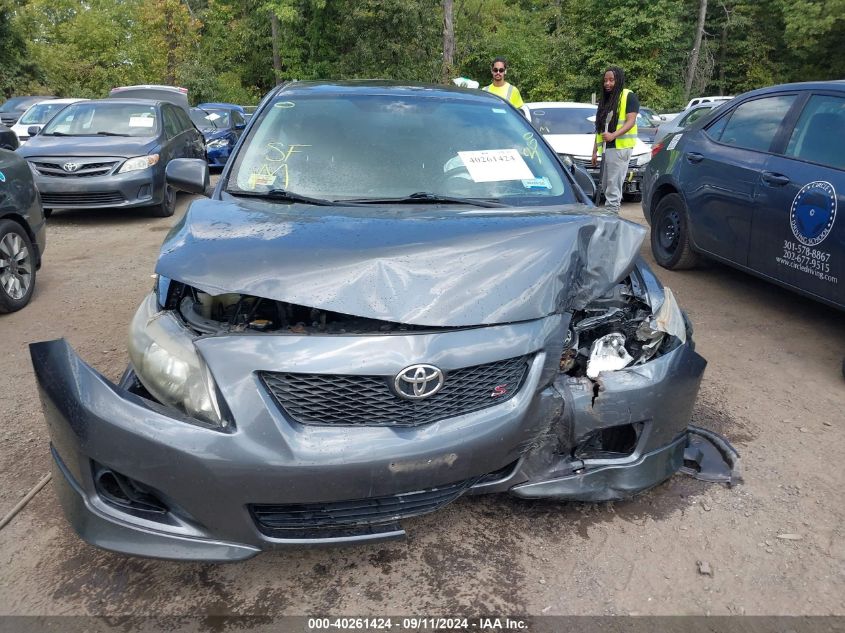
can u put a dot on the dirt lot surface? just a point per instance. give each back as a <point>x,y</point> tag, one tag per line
<point>773,386</point>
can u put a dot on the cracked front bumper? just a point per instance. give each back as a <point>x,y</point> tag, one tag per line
<point>211,479</point>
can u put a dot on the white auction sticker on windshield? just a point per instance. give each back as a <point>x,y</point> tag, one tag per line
<point>213,116</point>
<point>493,165</point>
<point>141,121</point>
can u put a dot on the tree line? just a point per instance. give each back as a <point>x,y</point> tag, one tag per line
<point>236,50</point>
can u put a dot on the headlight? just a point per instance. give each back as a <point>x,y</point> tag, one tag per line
<point>167,364</point>
<point>139,162</point>
<point>218,143</point>
<point>643,159</point>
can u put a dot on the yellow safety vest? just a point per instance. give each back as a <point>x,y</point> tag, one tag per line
<point>629,138</point>
<point>507,92</point>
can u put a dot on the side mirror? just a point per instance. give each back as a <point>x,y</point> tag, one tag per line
<point>32,130</point>
<point>187,174</point>
<point>584,180</point>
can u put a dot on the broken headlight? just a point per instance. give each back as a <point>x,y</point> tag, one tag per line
<point>619,331</point>
<point>166,362</point>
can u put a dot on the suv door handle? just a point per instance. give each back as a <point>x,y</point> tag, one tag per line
<point>695,157</point>
<point>777,180</point>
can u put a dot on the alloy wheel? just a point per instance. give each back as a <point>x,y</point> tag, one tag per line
<point>15,266</point>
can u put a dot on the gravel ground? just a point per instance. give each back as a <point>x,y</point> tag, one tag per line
<point>773,386</point>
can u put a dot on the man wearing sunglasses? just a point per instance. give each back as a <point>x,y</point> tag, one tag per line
<point>501,87</point>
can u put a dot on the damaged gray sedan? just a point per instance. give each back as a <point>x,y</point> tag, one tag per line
<point>396,295</point>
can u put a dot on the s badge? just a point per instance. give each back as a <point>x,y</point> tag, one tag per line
<point>499,390</point>
<point>813,212</point>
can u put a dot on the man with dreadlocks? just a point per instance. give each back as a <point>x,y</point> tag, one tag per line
<point>616,129</point>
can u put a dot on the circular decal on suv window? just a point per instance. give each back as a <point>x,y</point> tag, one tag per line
<point>813,212</point>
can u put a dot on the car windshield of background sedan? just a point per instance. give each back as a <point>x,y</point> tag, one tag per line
<point>13,104</point>
<point>105,119</point>
<point>565,120</point>
<point>40,113</point>
<point>220,118</point>
<point>204,120</point>
<point>378,147</point>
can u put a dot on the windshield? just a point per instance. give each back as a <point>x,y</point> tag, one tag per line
<point>100,117</point>
<point>384,146</point>
<point>565,120</point>
<point>694,116</point>
<point>41,113</point>
<point>219,117</point>
<point>203,119</point>
<point>15,104</point>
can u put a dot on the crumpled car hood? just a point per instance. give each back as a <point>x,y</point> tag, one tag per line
<point>419,265</point>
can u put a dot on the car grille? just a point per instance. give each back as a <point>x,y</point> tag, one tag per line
<point>82,198</point>
<point>301,520</point>
<point>57,170</point>
<point>586,163</point>
<point>371,400</point>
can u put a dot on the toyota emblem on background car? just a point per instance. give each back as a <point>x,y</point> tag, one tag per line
<point>419,381</point>
<point>71,166</point>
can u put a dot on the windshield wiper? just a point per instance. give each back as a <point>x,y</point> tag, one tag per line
<point>110,134</point>
<point>428,197</point>
<point>55,134</point>
<point>287,196</point>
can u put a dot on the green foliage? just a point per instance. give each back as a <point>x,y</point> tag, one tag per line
<point>814,34</point>
<point>221,50</point>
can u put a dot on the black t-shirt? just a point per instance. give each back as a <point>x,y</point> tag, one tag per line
<point>632,105</point>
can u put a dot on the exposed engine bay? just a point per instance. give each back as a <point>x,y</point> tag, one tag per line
<point>618,331</point>
<point>234,312</point>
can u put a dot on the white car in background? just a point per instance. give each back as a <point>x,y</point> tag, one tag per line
<point>39,114</point>
<point>697,101</point>
<point>569,127</point>
<point>714,99</point>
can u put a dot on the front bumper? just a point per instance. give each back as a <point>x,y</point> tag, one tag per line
<point>633,179</point>
<point>143,187</point>
<point>218,156</point>
<point>210,479</point>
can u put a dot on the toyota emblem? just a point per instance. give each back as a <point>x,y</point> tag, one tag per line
<point>71,166</point>
<point>419,381</point>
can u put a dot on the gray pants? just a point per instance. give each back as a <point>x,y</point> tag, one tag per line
<point>615,170</point>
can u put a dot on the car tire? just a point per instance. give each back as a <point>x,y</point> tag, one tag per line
<point>17,267</point>
<point>47,213</point>
<point>670,243</point>
<point>167,205</point>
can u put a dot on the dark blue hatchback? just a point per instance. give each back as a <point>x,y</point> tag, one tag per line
<point>757,185</point>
